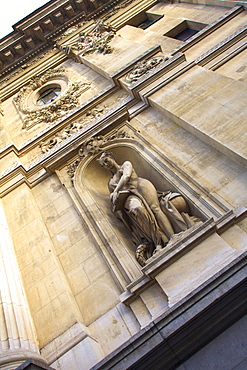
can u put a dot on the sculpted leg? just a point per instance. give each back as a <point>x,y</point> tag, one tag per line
<point>149,193</point>
<point>163,221</point>
<point>145,220</point>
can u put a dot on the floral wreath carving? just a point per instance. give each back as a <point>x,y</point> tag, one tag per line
<point>69,130</point>
<point>54,110</point>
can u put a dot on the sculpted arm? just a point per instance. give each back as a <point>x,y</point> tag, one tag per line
<point>127,169</point>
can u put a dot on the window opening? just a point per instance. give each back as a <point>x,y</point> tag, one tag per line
<point>148,22</point>
<point>144,20</point>
<point>184,30</point>
<point>48,95</point>
<point>186,34</point>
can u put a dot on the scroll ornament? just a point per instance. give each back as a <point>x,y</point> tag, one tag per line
<point>93,146</point>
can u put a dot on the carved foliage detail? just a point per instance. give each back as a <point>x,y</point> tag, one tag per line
<point>143,67</point>
<point>72,128</point>
<point>93,146</point>
<point>96,40</point>
<point>54,110</point>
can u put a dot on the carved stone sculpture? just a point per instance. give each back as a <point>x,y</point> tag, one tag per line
<point>143,67</point>
<point>152,217</point>
<point>54,110</point>
<point>96,40</point>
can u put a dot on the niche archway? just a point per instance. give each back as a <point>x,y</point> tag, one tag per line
<point>92,179</point>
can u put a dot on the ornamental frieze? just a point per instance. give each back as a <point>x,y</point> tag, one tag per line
<point>25,67</point>
<point>28,99</point>
<point>72,128</point>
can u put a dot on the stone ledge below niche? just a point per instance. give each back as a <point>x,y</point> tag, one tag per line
<point>187,326</point>
<point>183,243</point>
<point>159,261</point>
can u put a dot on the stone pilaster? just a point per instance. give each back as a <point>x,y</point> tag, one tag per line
<point>17,335</point>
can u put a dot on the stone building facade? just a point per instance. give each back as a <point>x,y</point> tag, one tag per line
<point>161,85</point>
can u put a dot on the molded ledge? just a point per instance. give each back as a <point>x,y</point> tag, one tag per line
<point>167,256</point>
<point>31,364</point>
<point>14,358</point>
<point>188,326</point>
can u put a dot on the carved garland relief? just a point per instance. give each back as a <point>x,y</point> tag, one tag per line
<point>33,113</point>
<point>144,66</point>
<point>96,40</point>
<point>91,114</point>
<point>72,128</point>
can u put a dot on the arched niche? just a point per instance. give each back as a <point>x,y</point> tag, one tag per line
<point>91,183</point>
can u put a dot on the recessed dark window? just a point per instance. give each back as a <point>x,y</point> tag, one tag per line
<point>184,30</point>
<point>186,34</point>
<point>48,94</point>
<point>145,24</point>
<point>143,20</point>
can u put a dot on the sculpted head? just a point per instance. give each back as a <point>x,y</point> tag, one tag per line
<point>107,160</point>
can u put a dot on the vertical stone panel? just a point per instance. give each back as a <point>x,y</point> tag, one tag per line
<point>18,337</point>
<point>51,303</point>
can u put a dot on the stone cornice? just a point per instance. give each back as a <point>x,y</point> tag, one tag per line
<point>139,92</point>
<point>123,16</point>
<point>41,54</point>
<point>38,31</point>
